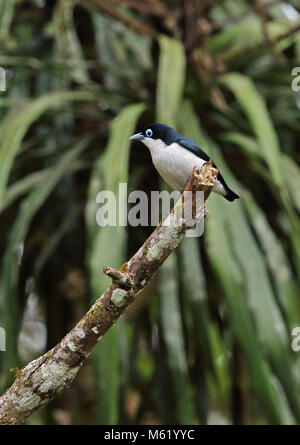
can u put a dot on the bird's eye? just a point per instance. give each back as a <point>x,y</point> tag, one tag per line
<point>149,133</point>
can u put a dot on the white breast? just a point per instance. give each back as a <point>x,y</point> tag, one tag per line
<point>175,164</point>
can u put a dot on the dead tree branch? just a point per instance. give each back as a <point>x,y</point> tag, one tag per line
<point>48,376</point>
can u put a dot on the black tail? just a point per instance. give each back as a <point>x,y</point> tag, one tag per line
<point>231,196</point>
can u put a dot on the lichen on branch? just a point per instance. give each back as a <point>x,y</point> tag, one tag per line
<point>48,376</point>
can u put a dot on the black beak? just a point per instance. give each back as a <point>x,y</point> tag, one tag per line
<point>137,137</point>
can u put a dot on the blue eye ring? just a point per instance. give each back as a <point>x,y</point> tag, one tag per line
<point>149,133</point>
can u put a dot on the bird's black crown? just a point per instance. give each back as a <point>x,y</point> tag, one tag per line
<point>160,131</point>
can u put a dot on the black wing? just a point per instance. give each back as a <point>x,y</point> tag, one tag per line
<point>194,148</point>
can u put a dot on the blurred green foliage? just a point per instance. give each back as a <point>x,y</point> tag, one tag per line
<point>209,340</point>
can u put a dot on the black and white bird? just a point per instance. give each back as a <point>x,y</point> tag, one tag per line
<point>174,156</point>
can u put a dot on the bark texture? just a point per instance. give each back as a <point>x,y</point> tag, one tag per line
<point>48,376</point>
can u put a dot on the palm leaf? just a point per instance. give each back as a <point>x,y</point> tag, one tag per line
<point>14,127</point>
<point>30,205</point>
<point>107,247</point>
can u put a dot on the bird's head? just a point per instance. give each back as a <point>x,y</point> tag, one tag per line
<point>156,136</point>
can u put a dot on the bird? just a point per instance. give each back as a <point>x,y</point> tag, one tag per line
<point>174,156</point>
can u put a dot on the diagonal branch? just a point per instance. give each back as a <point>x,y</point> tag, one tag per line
<point>48,376</point>
<point>106,8</point>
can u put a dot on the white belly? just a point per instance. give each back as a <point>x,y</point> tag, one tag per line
<point>176,164</point>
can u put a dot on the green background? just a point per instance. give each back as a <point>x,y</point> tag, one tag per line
<point>209,340</point>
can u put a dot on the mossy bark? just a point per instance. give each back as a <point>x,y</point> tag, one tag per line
<point>49,375</point>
